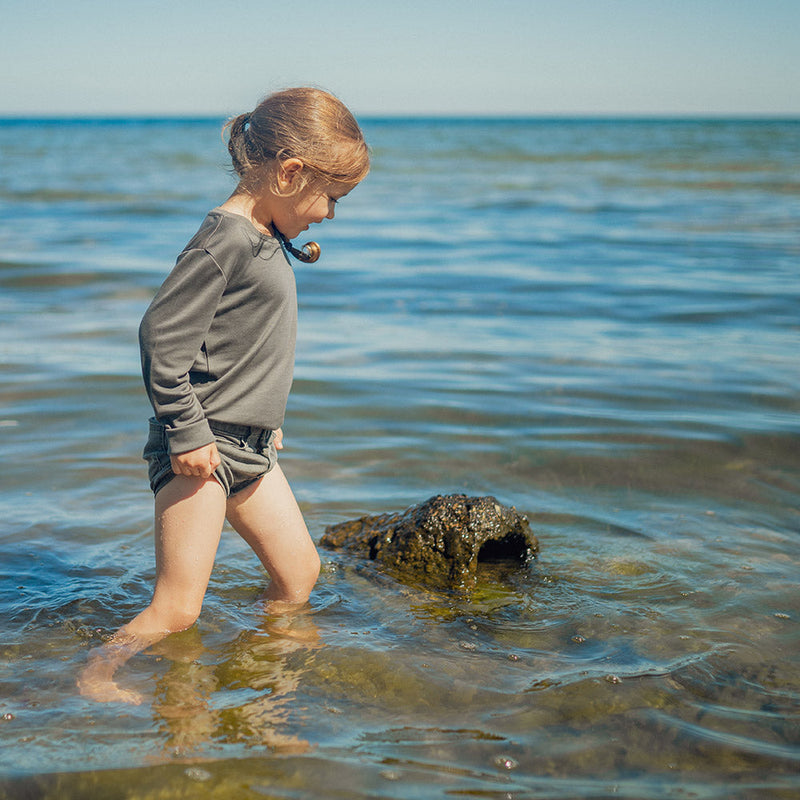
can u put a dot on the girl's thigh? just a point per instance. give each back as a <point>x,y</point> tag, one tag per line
<point>189,513</point>
<point>267,517</point>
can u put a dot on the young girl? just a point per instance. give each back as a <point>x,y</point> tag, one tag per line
<point>217,347</point>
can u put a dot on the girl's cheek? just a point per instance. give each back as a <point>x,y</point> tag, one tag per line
<point>320,209</point>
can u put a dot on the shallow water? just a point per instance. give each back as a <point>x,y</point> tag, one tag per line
<point>595,321</point>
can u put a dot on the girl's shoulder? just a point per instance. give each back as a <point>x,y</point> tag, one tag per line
<point>219,226</point>
<point>225,236</point>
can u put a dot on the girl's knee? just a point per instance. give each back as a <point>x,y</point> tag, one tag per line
<point>313,569</point>
<point>296,586</point>
<point>307,574</point>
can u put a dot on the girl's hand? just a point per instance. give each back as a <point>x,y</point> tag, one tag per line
<point>199,463</point>
<point>279,439</point>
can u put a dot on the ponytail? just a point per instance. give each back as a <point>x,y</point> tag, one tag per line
<point>304,123</point>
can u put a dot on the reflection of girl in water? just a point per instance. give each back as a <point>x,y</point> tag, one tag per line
<point>217,348</point>
<point>263,669</point>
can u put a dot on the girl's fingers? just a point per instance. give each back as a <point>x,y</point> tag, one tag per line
<point>199,463</point>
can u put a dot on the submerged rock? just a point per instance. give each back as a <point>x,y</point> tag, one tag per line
<point>439,541</point>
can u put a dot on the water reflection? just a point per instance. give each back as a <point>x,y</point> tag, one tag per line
<point>239,694</point>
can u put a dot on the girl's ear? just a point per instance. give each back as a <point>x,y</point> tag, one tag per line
<point>289,172</point>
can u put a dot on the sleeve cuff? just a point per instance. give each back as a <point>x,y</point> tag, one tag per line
<point>189,437</point>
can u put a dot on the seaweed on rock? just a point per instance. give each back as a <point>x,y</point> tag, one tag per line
<point>440,541</point>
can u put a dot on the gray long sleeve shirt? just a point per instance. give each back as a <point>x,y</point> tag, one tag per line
<point>218,340</point>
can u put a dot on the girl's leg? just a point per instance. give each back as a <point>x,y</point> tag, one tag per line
<point>267,517</point>
<point>188,525</point>
<point>189,513</point>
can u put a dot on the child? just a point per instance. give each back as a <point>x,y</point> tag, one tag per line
<point>217,347</point>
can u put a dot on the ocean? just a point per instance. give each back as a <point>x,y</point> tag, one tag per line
<point>596,321</point>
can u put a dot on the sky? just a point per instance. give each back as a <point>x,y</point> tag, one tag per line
<point>434,57</point>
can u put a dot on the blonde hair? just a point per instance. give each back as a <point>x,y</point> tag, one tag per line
<point>305,123</point>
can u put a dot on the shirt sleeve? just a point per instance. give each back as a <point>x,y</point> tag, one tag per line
<point>171,338</point>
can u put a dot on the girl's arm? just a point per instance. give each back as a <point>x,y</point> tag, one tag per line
<point>171,336</point>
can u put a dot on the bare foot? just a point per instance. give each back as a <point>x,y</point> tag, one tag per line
<point>97,679</point>
<point>97,683</point>
<point>305,634</point>
<point>107,691</point>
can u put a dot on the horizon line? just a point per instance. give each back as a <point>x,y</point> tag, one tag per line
<point>425,116</point>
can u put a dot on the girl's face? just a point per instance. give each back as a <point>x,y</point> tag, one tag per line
<point>311,205</point>
<point>294,213</point>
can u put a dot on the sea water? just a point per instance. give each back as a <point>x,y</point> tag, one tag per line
<point>596,321</point>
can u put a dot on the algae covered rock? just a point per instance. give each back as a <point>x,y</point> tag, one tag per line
<point>439,541</point>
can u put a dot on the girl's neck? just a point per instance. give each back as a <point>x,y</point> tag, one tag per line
<point>245,205</point>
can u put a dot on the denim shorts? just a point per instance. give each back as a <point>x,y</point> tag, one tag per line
<point>246,455</point>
